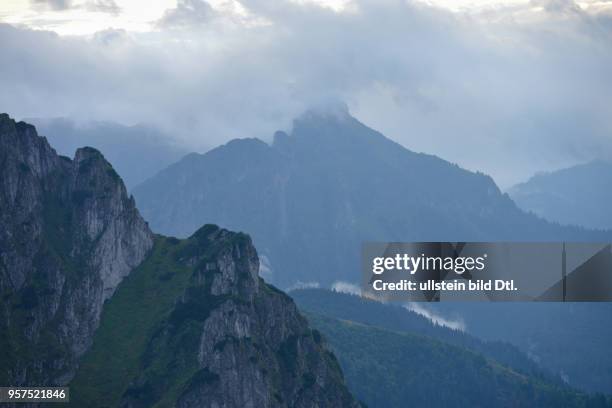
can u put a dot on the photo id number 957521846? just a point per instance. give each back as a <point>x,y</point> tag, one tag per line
<point>34,394</point>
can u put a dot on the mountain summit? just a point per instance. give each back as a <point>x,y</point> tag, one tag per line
<point>312,197</point>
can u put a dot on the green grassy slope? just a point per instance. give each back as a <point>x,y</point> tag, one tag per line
<point>142,301</point>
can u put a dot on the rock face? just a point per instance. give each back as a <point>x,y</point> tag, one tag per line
<point>91,298</point>
<point>256,344</point>
<point>69,235</point>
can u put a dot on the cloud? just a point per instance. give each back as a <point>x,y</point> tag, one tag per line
<point>103,6</point>
<point>53,4</point>
<point>352,289</point>
<point>188,13</point>
<point>510,91</point>
<point>557,6</point>
<point>265,267</point>
<point>346,287</point>
<point>303,285</point>
<point>457,324</point>
<point>110,36</point>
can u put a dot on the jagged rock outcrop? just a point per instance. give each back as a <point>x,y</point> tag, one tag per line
<point>70,233</point>
<point>91,298</point>
<point>213,335</point>
<point>256,350</point>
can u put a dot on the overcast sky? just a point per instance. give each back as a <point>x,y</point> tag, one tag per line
<point>505,87</point>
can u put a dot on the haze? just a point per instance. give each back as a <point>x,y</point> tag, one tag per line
<point>505,87</point>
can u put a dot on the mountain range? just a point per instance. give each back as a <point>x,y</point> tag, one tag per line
<point>92,298</point>
<point>577,195</point>
<point>314,195</point>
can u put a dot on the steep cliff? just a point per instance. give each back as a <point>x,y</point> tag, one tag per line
<point>142,320</point>
<point>69,235</point>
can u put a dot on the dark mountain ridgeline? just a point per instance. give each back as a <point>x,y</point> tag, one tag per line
<point>316,194</point>
<point>91,298</point>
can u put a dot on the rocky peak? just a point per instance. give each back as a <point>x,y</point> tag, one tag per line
<point>25,158</point>
<point>228,257</point>
<point>211,333</point>
<point>70,234</point>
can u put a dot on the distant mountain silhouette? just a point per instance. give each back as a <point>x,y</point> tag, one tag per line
<point>312,197</point>
<point>579,195</point>
<point>136,152</point>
